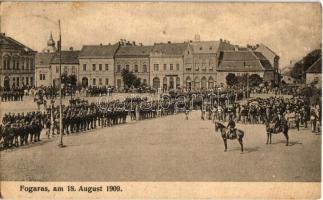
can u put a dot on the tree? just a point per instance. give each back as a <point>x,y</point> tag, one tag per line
<point>299,69</point>
<point>242,80</point>
<point>255,80</point>
<point>231,79</point>
<point>130,79</point>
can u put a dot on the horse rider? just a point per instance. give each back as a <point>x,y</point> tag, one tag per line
<point>231,126</point>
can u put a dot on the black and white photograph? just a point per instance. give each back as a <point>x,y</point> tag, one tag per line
<point>156,92</point>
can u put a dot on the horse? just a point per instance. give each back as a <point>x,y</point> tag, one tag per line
<point>282,128</point>
<point>238,135</point>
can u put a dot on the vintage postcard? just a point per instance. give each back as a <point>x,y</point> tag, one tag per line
<point>179,100</point>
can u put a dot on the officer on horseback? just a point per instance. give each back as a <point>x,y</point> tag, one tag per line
<point>231,126</point>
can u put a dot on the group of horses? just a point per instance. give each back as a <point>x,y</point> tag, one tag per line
<point>239,134</point>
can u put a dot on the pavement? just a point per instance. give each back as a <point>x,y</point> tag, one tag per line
<point>166,149</point>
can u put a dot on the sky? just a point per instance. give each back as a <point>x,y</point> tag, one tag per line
<point>290,29</point>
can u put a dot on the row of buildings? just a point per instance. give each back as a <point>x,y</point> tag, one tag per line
<point>192,64</point>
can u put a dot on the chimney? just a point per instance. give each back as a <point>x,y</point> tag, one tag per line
<point>71,48</point>
<point>169,42</point>
<point>100,44</point>
<point>140,44</point>
<point>133,43</point>
<point>221,40</point>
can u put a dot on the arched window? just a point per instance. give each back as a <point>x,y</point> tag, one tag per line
<point>211,82</point>
<point>178,82</point>
<point>203,83</point>
<point>156,83</point>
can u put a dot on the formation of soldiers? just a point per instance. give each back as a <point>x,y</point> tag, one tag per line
<point>99,91</point>
<point>12,95</point>
<point>21,129</point>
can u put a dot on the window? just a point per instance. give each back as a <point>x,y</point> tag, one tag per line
<point>73,69</point>
<point>17,64</point>
<point>144,68</point>
<point>23,80</point>
<point>94,81</point>
<point>177,67</point>
<point>171,67</point>
<point>106,81</point>
<point>165,67</point>
<point>156,67</point>
<point>127,67</point>
<point>118,68</point>
<point>84,67</point>
<point>106,67</point>
<point>42,77</point>
<point>100,67</point>
<point>100,80</point>
<point>93,68</point>
<point>23,64</point>
<point>31,64</point>
<point>201,48</point>
<point>27,81</point>
<point>57,69</point>
<point>31,80</point>
<point>136,68</point>
<point>145,82</point>
<point>27,67</point>
<point>65,69</point>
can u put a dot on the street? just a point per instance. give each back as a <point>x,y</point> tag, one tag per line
<point>166,149</point>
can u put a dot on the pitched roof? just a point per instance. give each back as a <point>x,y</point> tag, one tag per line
<point>43,58</point>
<point>316,67</point>
<point>172,49</point>
<point>98,51</point>
<point>205,46</point>
<point>243,61</point>
<point>133,51</point>
<point>67,57</point>
<point>8,42</point>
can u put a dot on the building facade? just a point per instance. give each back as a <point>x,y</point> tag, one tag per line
<point>201,63</point>
<point>244,62</point>
<point>17,63</point>
<point>69,65</point>
<point>43,74</point>
<point>167,65</point>
<point>133,58</point>
<point>97,65</point>
<point>314,74</point>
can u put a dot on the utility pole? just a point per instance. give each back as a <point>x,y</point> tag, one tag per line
<point>60,87</point>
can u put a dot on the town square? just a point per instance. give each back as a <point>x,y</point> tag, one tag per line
<point>168,107</point>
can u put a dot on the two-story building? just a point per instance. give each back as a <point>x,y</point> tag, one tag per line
<point>167,64</point>
<point>133,58</point>
<point>201,63</point>
<point>69,63</point>
<point>17,63</point>
<point>97,65</point>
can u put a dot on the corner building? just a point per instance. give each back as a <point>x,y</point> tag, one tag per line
<point>17,63</point>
